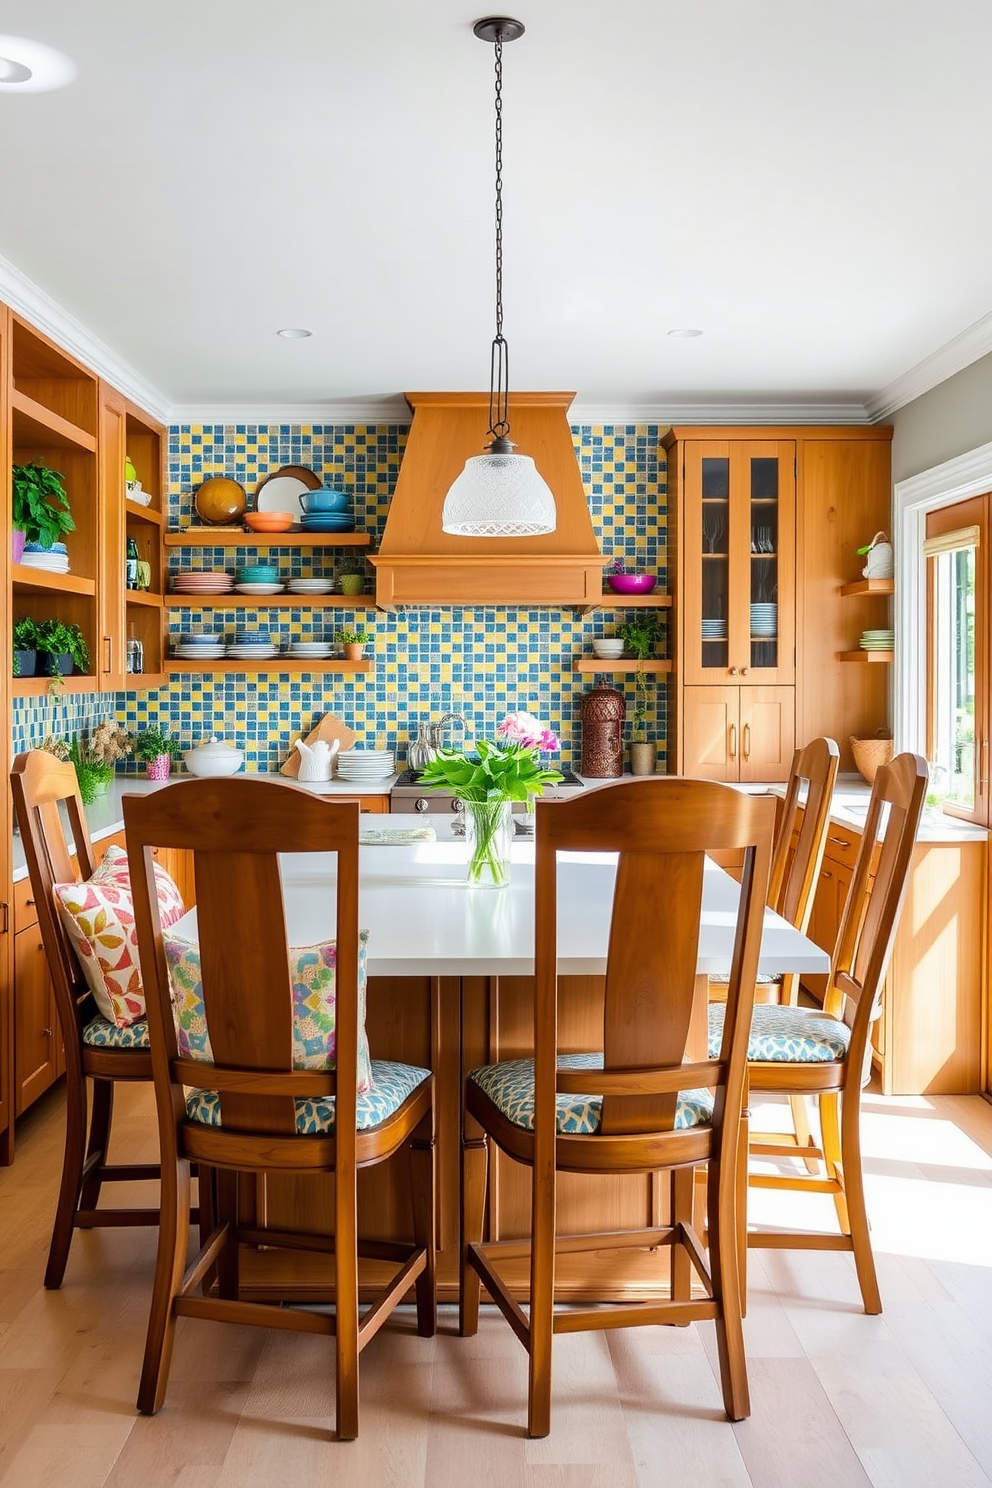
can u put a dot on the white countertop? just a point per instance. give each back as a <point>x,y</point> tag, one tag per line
<point>424,919</point>
<point>850,804</point>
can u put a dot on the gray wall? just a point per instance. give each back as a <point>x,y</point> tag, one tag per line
<point>949,420</point>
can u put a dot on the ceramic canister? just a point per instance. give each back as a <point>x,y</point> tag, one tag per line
<point>603,710</point>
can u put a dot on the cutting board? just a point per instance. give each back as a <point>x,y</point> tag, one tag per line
<point>329,728</point>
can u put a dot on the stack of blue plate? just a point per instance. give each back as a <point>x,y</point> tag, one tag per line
<point>336,511</point>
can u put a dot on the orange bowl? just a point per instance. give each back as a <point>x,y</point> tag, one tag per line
<point>268,521</point>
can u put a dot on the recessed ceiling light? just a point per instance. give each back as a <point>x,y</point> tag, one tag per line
<point>294,333</point>
<point>684,333</point>
<point>31,67</point>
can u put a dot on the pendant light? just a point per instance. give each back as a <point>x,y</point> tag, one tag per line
<point>499,493</point>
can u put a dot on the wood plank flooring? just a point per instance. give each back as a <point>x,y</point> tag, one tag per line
<point>839,1399</point>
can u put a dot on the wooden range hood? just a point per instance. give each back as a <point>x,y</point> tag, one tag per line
<point>418,564</point>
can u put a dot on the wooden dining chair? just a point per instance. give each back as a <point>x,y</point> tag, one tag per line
<point>647,1102</point>
<point>269,1043</point>
<point>797,857</point>
<point>58,850</point>
<point>827,1054</point>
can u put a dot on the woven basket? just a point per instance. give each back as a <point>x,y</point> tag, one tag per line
<point>869,754</point>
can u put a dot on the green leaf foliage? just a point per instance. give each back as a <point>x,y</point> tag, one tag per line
<point>509,772</point>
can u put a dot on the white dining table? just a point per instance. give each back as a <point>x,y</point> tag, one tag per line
<point>424,919</point>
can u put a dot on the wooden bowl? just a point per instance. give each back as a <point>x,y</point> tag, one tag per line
<point>268,521</point>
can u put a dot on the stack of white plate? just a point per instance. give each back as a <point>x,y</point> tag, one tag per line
<point>310,586</point>
<point>714,630</point>
<point>252,650</point>
<point>254,588</point>
<point>361,765</point>
<point>202,581</point>
<point>764,619</point>
<point>199,650</point>
<point>311,650</point>
<point>877,640</point>
<point>53,560</point>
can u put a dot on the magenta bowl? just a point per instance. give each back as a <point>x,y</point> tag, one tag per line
<point>632,583</point>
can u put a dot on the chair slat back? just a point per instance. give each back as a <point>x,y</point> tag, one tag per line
<point>661,829</point>
<point>236,828</point>
<point>794,875</point>
<point>878,886</point>
<point>50,816</point>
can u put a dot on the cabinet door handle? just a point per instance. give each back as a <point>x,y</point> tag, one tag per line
<point>6,916</point>
<point>48,1032</point>
<point>733,741</point>
<point>745,671</point>
<point>108,642</point>
<point>733,671</point>
<point>746,740</point>
<point>839,841</point>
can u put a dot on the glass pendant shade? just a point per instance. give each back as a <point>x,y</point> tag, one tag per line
<point>499,495</point>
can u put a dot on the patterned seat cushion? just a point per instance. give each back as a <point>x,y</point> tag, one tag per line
<point>390,1086</point>
<point>313,970</point>
<point>786,1035</point>
<point>762,979</point>
<point>100,1033</point>
<point>98,915</point>
<point>510,1087</point>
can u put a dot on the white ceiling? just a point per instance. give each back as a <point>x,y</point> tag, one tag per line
<point>807,183</point>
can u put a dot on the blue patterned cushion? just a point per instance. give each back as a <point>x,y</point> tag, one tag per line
<point>786,1035</point>
<point>100,1033</point>
<point>762,979</point>
<point>510,1087</point>
<point>391,1084</point>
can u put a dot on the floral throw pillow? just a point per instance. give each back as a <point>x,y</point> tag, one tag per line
<point>313,970</point>
<point>98,914</point>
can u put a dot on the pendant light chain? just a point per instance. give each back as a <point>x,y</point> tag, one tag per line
<point>499,370</point>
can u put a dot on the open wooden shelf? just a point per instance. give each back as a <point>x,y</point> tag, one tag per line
<point>223,537</point>
<point>142,513</point>
<point>656,600</point>
<point>861,587</point>
<point>143,597</point>
<point>28,580</point>
<point>34,424</point>
<point>867,657</point>
<point>270,601</point>
<point>39,686</point>
<point>242,665</point>
<point>626,664</point>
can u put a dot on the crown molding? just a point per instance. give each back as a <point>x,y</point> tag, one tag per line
<point>27,299</point>
<point>371,410</point>
<point>970,346</point>
<point>717,413</point>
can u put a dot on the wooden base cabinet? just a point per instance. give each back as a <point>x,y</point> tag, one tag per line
<point>929,1037</point>
<point>39,1058</point>
<point>738,733</point>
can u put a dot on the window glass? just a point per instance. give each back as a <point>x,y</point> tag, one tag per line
<point>952,680</point>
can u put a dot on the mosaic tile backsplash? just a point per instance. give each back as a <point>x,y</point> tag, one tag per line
<point>477,661</point>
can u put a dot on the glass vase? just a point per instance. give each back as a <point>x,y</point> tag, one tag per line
<point>488,832</point>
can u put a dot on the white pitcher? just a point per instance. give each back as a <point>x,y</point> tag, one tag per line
<point>316,759</point>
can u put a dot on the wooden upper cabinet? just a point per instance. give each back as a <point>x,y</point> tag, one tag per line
<point>738,562</point>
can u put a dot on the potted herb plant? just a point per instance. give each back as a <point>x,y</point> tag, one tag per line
<point>639,634</point>
<point>159,752</point>
<point>351,578</point>
<point>93,757</point>
<point>61,647</point>
<point>25,647</point>
<point>353,643</point>
<point>40,510</point>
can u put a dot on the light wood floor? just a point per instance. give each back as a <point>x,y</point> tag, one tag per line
<point>839,1399</point>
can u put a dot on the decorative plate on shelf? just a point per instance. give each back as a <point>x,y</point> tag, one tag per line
<point>281,491</point>
<point>220,500</point>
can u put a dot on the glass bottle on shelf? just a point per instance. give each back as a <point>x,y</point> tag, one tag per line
<point>135,653</point>
<point>131,561</point>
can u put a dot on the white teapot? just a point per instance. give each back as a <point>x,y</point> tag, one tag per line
<point>878,558</point>
<point>316,759</point>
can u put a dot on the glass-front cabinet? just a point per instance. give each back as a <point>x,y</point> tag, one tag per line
<point>738,602</point>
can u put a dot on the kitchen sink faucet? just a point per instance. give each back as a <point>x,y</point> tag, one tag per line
<point>437,729</point>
